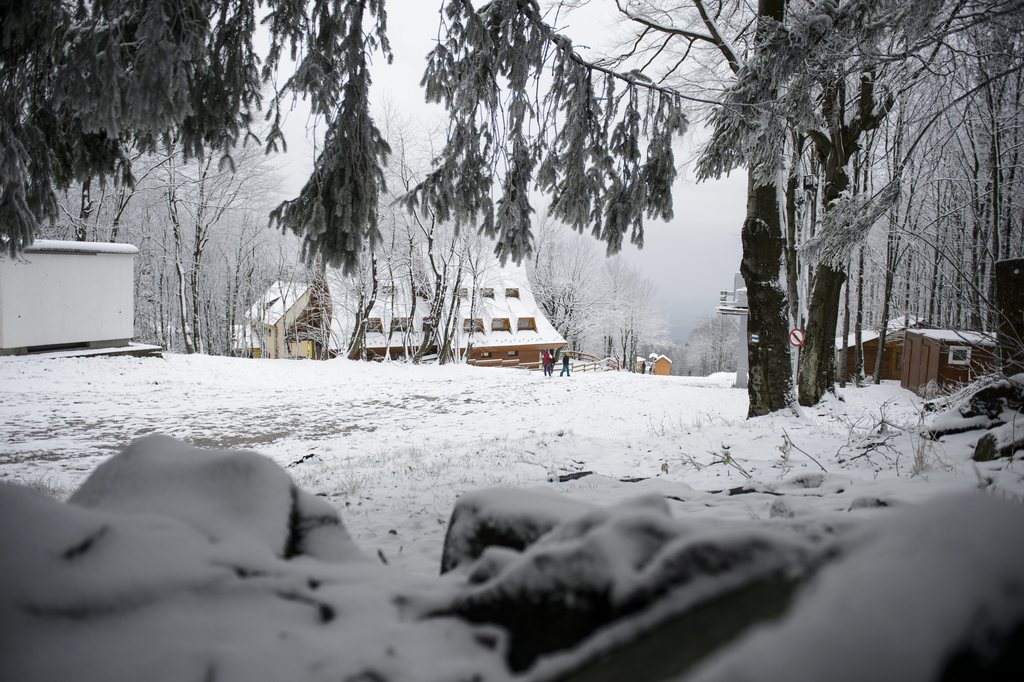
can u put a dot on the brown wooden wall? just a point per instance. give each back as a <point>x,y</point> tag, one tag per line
<point>927,360</point>
<point>892,364</point>
<point>526,354</point>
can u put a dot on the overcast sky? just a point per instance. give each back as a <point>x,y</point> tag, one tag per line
<point>689,259</point>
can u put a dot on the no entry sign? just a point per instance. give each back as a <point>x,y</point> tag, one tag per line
<point>796,337</point>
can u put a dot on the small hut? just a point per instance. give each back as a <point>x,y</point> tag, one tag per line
<point>661,365</point>
<point>892,357</point>
<point>63,295</point>
<point>934,359</point>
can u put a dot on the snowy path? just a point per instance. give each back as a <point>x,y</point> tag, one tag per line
<point>71,412</point>
<point>394,445</point>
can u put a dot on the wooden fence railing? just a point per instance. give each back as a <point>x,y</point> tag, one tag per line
<point>581,362</point>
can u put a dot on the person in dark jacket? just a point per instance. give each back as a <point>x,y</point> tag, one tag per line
<point>565,365</point>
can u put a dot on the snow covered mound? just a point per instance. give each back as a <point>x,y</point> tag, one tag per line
<point>997,407</point>
<point>619,567</point>
<point>926,593</point>
<point>225,494</point>
<point>503,517</point>
<point>930,593</point>
<point>173,563</point>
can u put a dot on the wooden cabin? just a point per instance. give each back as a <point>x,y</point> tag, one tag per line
<point>892,357</point>
<point>501,324</point>
<point>936,359</point>
<point>661,365</point>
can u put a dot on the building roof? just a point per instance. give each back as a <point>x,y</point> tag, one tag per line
<point>895,325</point>
<point>55,246</point>
<point>477,306</point>
<point>276,300</point>
<point>955,336</point>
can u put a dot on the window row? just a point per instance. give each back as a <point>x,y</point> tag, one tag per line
<point>469,324</point>
<point>488,292</point>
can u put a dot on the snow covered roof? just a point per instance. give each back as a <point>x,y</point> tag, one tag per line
<point>58,246</point>
<point>663,357</point>
<point>895,325</point>
<point>276,300</point>
<point>956,336</point>
<point>497,305</point>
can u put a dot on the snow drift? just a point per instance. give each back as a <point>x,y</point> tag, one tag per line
<point>174,563</point>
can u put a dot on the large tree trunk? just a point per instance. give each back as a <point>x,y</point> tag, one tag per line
<point>1009,298</point>
<point>770,385</point>
<point>817,360</point>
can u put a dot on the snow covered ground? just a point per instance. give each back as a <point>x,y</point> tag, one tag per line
<point>393,446</point>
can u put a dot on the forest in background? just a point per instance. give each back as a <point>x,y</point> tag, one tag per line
<point>927,200</point>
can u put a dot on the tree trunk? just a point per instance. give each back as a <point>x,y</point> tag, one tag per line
<point>794,189</point>
<point>858,344</point>
<point>770,386</point>
<point>85,210</point>
<point>817,359</point>
<point>1010,304</point>
<point>842,371</point>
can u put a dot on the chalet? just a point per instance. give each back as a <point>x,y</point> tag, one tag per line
<point>935,359</point>
<point>290,320</point>
<point>892,357</point>
<point>500,323</point>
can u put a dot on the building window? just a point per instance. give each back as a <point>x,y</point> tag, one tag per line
<point>512,353</point>
<point>387,289</point>
<point>374,324</point>
<point>463,292</point>
<point>474,324</point>
<point>486,354</point>
<point>527,323</point>
<point>959,355</point>
<point>500,324</point>
<point>400,324</point>
<point>487,292</point>
<point>511,293</point>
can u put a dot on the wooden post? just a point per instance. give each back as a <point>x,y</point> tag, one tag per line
<point>1010,307</point>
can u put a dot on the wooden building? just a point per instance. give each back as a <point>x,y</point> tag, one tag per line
<point>934,359</point>
<point>892,357</point>
<point>291,320</point>
<point>660,365</point>
<point>501,323</point>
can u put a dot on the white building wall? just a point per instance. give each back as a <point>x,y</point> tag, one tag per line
<point>60,293</point>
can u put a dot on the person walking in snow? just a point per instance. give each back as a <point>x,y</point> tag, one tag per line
<point>546,363</point>
<point>565,365</point>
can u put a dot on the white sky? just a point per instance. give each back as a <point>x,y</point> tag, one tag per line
<point>689,259</point>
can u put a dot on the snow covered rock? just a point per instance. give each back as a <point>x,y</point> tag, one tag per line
<point>996,408</point>
<point>503,517</point>
<point>222,493</point>
<point>913,593</point>
<point>934,592</point>
<point>610,565</point>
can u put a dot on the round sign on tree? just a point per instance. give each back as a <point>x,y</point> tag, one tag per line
<point>796,337</point>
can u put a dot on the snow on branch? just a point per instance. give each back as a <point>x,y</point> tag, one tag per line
<point>578,139</point>
<point>848,223</point>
